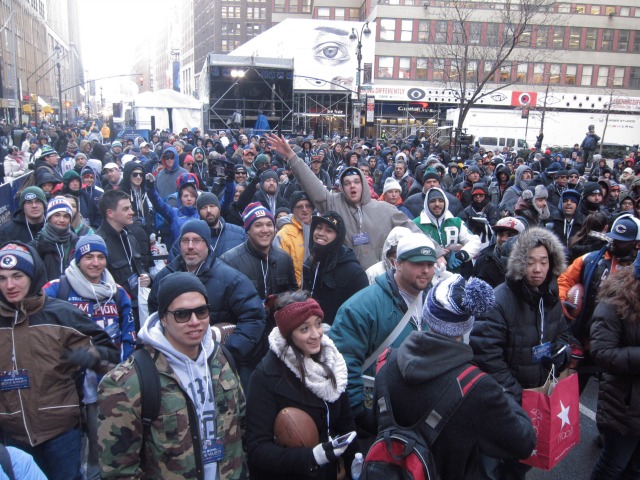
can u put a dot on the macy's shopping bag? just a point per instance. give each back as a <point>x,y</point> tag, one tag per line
<point>554,410</point>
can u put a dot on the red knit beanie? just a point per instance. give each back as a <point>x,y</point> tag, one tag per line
<point>291,316</point>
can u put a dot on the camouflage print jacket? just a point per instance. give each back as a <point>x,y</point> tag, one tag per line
<point>173,448</point>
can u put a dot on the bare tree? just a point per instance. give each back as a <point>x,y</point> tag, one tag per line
<point>471,58</point>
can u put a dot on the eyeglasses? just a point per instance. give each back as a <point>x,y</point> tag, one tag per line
<point>137,174</point>
<point>241,173</point>
<point>183,315</point>
<point>191,241</point>
<point>169,157</point>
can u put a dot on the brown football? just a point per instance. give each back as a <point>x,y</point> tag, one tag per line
<point>575,297</point>
<point>222,331</point>
<point>295,428</point>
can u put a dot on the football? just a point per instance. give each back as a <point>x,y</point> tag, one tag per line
<point>295,428</point>
<point>574,302</point>
<point>222,331</point>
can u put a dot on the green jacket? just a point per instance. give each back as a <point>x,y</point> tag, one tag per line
<point>173,448</point>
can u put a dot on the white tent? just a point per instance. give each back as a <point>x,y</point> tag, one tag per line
<point>172,110</point>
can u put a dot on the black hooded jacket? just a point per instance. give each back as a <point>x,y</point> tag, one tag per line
<point>18,229</point>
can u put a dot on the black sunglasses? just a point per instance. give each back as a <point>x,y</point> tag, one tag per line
<point>137,174</point>
<point>169,157</point>
<point>183,315</point>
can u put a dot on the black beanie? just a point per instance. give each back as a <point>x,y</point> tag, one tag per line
<point>297,197</point>
<point>591,188</point>
<point>207,198</point>
<point>268,174</point>
<point>174,285</point>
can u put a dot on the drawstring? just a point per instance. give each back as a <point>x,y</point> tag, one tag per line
<point>541,308</point>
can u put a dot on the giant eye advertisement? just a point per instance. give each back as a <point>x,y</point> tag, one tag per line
<point>324,57</point>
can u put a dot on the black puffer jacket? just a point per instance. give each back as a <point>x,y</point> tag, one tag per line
<point>615,347</point>
<point>18,229</point>
<point>502,341</point>
<point>233,299</point>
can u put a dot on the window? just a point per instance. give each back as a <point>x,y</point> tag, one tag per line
<point>581,9</point>
<point>634,77</point>
<point>475,32</point>
<point>492,34</point>
<point>404,67</point>
<point>538,72</point>
<point>387,29</point>
<point>554,73</point>
<point>278,6</point>
<point>594,10</point>
<point>472,70</point>
<point>564,8</point>
<point>625,11</point>
<point>587,74</point>
<point>441,32</point>
<point>422,66</point>
<point>338,14</point>
<point>488,66</point>
<point>603,76</point>
<point>306,6</point>
<point>505,72</point>
<point>438,69</point>
<point>293,6</point>
<point>406,31</point>
<point>525,37</point>
<point>324,13</point>
<point>423,31</point>
<point>458,34</point>
<point>558,37</point>
<point>354,13</point>
<point>523,72</point>
<point>590,39</point>
<point>607,40</point>
<point>542,37</point>
<point>574,38</point>
<point>609,10</point>
<point>385,67</point>
<point>570,74</point>
<point>636,40</point>
<point>618,76</point>
<point>623,40</point>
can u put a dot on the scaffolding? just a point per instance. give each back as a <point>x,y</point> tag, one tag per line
<point>323,114</point>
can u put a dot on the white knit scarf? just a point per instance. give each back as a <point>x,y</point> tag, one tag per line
<point>315,378</point>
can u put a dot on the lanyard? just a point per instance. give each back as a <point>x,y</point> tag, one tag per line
<point>129,257</point>
<point>315,276</point>
<point>218,239</point>
<point>208,390</point>
<point>541,308</point>
<point>265,273</point>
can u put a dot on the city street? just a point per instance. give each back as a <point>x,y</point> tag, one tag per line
<point>580,461</point>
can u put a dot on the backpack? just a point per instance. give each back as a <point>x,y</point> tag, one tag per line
<point>403,453</point>
<point>589,143</point>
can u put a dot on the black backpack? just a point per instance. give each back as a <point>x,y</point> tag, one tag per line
<point>404,453</point>
<point>5,462</point>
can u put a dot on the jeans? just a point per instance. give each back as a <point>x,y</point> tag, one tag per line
<point>60,457</point>
<point>619,458</point>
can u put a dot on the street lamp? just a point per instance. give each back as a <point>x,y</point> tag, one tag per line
<point>59,56</point>
<point>354,35</point>
<point>56,50</point>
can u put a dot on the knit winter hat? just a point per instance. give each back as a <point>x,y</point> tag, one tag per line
<point>58,204</point>
<point>174,285</point>
<point>431,173</point>
<point>17,257</point>
<point>473,169</point>
<point>540,191</point>
<point>199,227</point>
<point>90,243</point>
<point>46,151</point>
<point>33,193</point>
<point>590,188</point>
<point>391,184</point>
<point>207,198</point>
<point>453,304</point>
<point>261,159</point>
<point>266,175</point>
<point>291,316</point>
<point>572,194</point>
<point>297,197</point>
<point>253,212</point>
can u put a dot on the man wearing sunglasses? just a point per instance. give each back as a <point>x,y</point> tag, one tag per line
<point>199,428</point>
<point>232,296</point>
<point>166,178</point>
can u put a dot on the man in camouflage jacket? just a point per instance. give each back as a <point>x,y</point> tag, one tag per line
<point>188,419</point>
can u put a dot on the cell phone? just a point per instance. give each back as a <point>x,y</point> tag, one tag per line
<point>343,440</point>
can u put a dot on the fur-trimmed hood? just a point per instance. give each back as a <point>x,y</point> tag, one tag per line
<point>531,238</point>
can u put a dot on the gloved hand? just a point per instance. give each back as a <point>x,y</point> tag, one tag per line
<point>441,272</point>
<point>455,260</point>
<point>82,358</point>
<point>229,170</point>
<point>559,360</point>
<point>149,181</point>
<point>324,453</point>
<point>577,352</point>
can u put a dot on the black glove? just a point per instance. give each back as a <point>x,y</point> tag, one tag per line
<point>559,360</point>
<point>229,170</point>
<point>149,181</point>
<point>82,358</point>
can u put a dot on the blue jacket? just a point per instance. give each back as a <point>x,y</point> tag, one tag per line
<point>362,324</point>
<point>176,217</point>
<point>233,299</point>
<point>115,319</point>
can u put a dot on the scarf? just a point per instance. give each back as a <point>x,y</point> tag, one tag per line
<point>105,290</point>
<point>55,234</point>
<point>315,378</point>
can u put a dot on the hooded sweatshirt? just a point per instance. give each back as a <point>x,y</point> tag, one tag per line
<point>512,193</point>
<point>194,376</point>
<point>384,264</point>
<point>166,179</point>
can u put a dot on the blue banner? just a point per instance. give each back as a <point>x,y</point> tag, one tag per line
<point>131,134</point>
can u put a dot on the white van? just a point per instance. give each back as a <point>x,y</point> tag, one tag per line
<point>493,143</point>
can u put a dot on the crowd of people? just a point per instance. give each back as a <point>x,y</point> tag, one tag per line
<point>258,273</point>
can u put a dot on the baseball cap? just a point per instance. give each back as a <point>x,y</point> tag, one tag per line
<point>509,223</point>
<point>625,229</point>
<point>415,248</point>
<point>110,166</point>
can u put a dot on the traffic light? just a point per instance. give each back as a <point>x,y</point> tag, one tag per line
<point>141,81</point>
<point>67,104</point>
